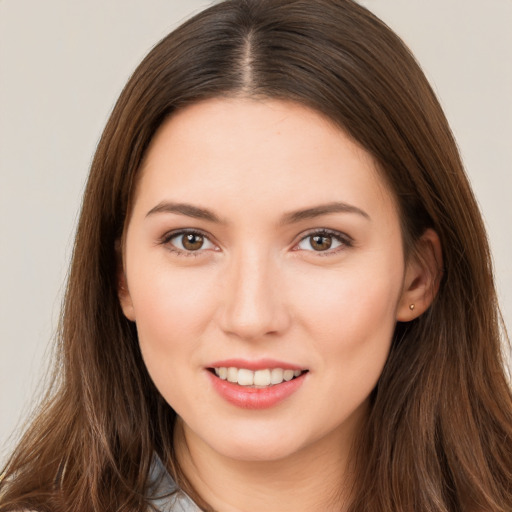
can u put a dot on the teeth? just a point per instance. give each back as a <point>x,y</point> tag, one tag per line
<point>245,377</point>
<point>288,375</point>
<point>259,378</point>
<point>232,375</point>
<point>276,376</point>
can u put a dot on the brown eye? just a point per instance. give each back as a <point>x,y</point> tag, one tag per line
<point>187,242</point>
<point>324,241</point>
<point>321,242</point>
<point>192,241</point>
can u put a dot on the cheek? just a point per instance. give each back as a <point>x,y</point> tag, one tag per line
<point>351,312</point>
<point>349,319</point>
<point>172,308</point>
<point>172,311</point>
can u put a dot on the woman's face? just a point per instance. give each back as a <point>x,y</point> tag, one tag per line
<point>263,244</point>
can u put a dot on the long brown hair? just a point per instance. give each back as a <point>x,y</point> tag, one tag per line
<point>439,434</point>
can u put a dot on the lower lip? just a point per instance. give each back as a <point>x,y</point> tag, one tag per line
<point>255,398</point>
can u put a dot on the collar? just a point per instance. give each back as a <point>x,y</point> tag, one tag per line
<point>163,492</point>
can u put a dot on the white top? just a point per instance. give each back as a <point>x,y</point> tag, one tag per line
<point>164,494</point>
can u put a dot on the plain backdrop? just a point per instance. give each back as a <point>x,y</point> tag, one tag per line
<point>63,64</point>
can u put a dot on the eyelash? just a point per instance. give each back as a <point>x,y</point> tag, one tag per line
<point>344,240</point>
<point>166,239</point>
<point>340,237</point>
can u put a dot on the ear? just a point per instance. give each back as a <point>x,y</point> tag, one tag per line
<point>123,292</point>
<point>423,274</point>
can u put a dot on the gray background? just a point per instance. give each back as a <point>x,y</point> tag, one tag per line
<point>63,64</point>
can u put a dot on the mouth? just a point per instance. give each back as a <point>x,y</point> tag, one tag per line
<point>258,379</point>
<point>256,384</point>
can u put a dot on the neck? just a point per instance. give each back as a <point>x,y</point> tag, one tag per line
<point>314,478</point>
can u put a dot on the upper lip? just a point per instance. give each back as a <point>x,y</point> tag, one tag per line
<point>257,364</point>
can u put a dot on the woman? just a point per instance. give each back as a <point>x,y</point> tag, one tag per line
<point>281,294</point>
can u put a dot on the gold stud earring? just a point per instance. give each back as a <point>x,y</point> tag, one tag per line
<point>411,307</point>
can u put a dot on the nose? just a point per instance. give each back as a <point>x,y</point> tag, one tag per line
<point>253,305</point>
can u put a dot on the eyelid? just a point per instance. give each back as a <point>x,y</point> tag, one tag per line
<point>344,239</point>
<point>167,237</point>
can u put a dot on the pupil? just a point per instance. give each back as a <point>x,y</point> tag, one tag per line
<point>321,243</point>
<point>192,242</point>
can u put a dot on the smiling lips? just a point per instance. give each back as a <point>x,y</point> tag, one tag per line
<point>258,388</point>
<point>259,378</point>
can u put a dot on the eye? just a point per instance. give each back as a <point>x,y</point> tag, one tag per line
<point>324,241</point>
<point>187,242</point>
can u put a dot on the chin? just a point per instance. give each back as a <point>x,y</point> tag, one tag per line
<point>263,450</point>
<point>260,443</point>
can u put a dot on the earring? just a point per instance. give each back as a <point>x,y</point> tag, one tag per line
<point>411,307</point>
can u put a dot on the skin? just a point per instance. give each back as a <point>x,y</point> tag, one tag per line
<point>259,288</point>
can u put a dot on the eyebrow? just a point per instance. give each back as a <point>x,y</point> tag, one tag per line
<point>323,209</point>
<point>185,209</point>
<point>288,218</point>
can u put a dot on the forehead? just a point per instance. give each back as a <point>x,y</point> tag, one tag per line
<point>245,153</point>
